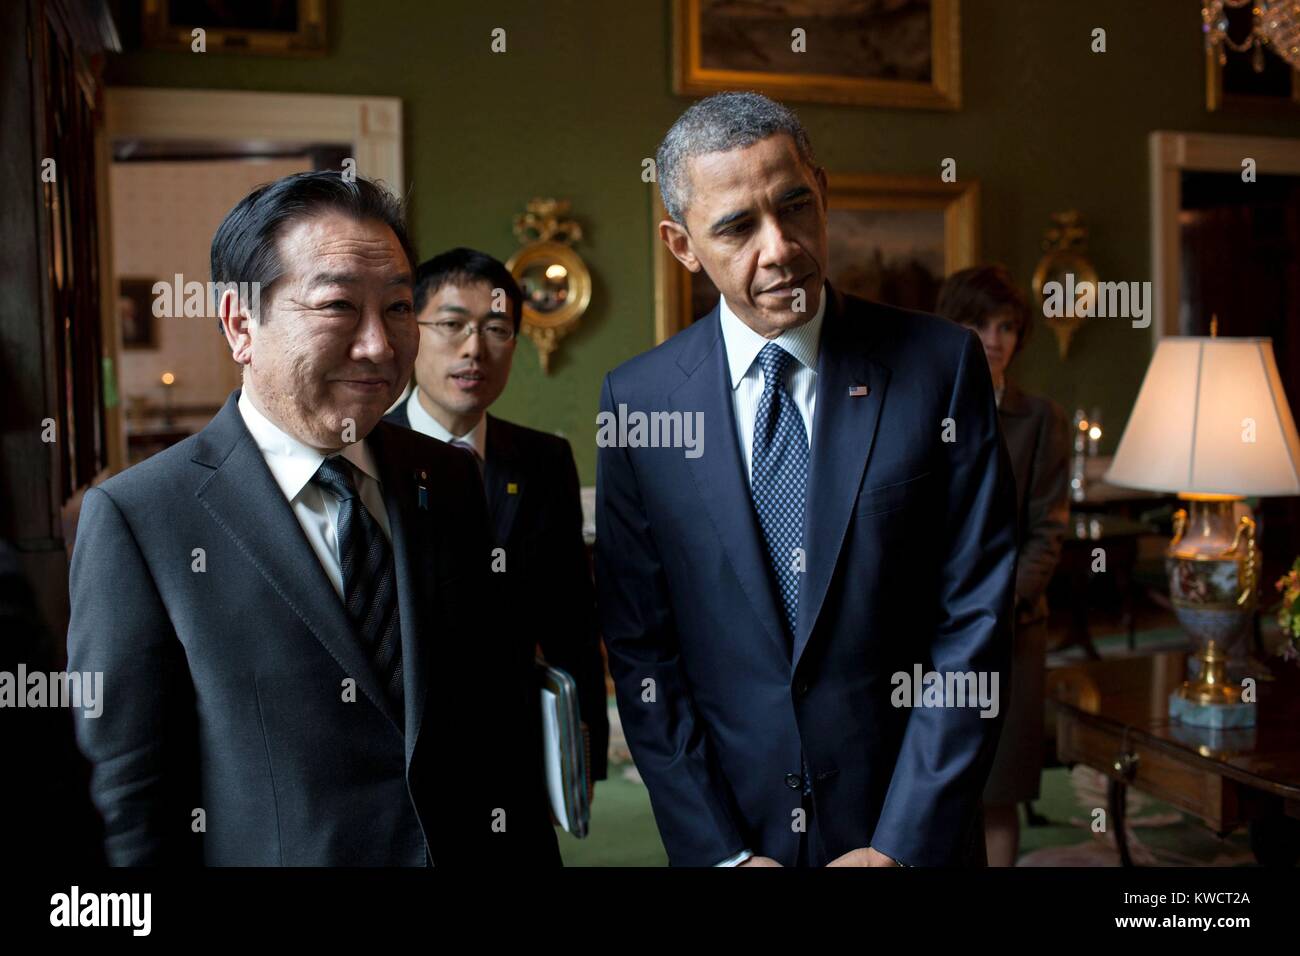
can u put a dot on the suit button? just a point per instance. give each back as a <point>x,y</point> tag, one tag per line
<point>794,781</point>
<point>802,688</point>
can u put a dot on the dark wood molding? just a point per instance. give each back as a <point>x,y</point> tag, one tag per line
<point>51,347</point>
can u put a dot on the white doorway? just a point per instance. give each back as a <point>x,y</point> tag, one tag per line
<point>173,163</point>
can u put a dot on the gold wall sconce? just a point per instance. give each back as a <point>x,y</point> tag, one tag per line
<point>555,281</point>
<point>1065,261</point>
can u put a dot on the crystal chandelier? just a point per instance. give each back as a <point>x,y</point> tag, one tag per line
<point>1276,23</point>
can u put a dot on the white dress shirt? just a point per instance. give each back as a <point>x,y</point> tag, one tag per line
<point>743,345</point>
<point>293,465</point>
<point>426,424</point>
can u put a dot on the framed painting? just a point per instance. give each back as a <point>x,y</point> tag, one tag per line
<point>1236,86</point>
<point>135,313</point>
<point>276,27</point>
<point>899,53</point>
<point>1257,80</point>
<point>892,239</point>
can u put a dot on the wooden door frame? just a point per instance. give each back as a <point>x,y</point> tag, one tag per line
<point>1170,154</point>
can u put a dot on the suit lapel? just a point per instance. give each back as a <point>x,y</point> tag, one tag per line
<point>244,500</point>
<point>398,415</point>
<point>401,483</point>
<point>719,474</point>
<point>501,469</point>
<point>844,428</point>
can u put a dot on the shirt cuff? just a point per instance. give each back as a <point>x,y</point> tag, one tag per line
<point>736,860</point>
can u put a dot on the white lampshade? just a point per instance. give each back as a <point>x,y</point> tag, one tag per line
<point>1202,402</point>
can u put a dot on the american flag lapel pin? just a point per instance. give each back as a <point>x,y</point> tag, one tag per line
<point>859,391</point>
<point>423,491</point>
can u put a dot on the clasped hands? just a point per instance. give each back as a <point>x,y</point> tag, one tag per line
<point>865,856</point>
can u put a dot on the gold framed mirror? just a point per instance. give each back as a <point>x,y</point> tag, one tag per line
<point>1065,263</point>
<point>555,282</point>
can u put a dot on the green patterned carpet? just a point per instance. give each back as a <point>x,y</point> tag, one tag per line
<point>1158,834</point>
<point>623,831</point>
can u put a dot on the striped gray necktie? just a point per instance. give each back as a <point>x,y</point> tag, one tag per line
<point>369,577</point>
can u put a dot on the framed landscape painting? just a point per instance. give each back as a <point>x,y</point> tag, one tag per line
<point>902,53</point>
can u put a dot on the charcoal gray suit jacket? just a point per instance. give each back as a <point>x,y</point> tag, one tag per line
<point>228,735</point>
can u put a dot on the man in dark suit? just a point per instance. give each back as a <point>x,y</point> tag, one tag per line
<point>469,309</point>
<point>776,591</point>
<point>281,604</point>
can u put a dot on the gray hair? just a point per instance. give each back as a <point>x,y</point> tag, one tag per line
<point>722,122</point>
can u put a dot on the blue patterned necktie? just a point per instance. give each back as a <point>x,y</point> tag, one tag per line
<point>369,577</point>
<point>779,475</point>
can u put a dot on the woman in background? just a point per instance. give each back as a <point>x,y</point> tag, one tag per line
<point>1037,436</point>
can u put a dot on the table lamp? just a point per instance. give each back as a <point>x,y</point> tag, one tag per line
<point>1212,424</point>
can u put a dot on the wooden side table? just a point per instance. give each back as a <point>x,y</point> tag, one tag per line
<point>1115,721</point>
<point>1083,533</point>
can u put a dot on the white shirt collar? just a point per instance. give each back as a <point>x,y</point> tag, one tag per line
<point>743,343</point>
<point>426,424</point>
<point>292,463</point>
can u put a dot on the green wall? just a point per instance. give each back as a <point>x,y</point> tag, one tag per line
<point>583,94</point>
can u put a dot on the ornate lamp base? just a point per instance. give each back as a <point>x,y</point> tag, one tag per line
<point>1212,571</point>
<point>1220,716</point>
<point>1210,701</point>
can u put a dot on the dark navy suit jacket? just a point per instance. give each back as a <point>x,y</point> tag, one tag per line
<point>910,559</point>
<point>535,501</point>
<point>224,682</point>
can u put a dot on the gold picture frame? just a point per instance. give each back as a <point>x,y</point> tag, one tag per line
<point>303,34</point>
<point>1217,98</point>
<point>942,91</point>
<point>953,206</point>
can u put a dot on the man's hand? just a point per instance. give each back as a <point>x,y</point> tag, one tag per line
<point>866,856</point>
<point>758,861</point>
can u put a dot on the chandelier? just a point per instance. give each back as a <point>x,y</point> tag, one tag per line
<point>1276,24</point>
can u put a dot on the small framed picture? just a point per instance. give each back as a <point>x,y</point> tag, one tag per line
<point>135,313</point>
<point>273,27</point>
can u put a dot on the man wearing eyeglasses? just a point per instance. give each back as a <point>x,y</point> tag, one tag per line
<point>469,308</point>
